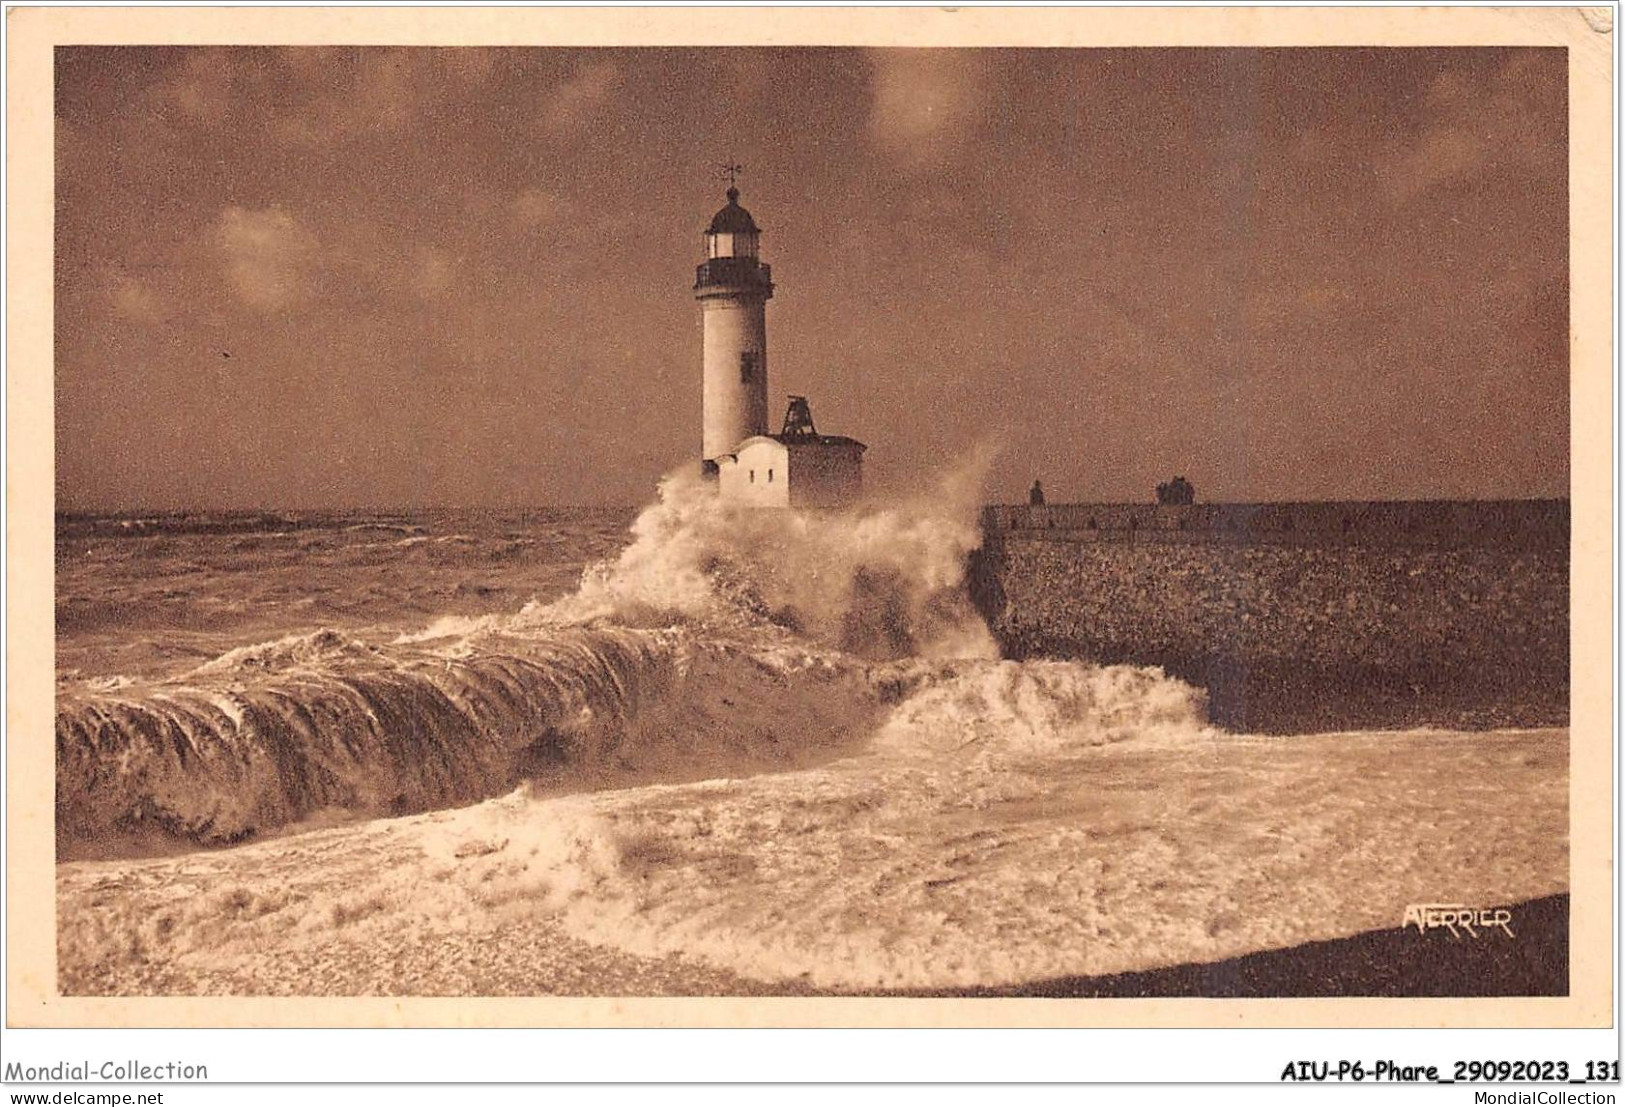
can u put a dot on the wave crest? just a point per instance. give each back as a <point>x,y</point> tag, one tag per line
<point>290,729</point>
<point>1043,708</point>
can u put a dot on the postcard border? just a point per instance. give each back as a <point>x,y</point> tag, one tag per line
<point>32,33</point>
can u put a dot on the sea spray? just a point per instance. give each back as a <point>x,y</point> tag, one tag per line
<point>879,581</point>
<point>1042,708</point>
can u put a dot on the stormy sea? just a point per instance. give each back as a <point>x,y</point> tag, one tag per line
<point>695,750</point>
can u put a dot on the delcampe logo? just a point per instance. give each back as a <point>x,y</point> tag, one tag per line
<point>1451,916</point>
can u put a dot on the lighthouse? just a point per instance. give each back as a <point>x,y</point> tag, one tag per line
<point>733,288</point>
<point>798,467</point>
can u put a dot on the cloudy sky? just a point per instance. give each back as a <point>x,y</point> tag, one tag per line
<point>464,276</point>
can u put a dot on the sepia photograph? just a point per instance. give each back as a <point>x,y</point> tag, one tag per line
<point>934,523</point>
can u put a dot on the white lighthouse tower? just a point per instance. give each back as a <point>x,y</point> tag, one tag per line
<point>733,287</point>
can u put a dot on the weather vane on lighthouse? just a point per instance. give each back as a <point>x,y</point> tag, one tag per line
<point>732,169</point>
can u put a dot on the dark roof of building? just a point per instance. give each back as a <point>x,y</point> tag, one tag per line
<point>817,440</point>
<point>800,441</point>
<point>733,219</point>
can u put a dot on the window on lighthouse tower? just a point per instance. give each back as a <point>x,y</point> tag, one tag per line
<point>738,244</point>
<point>747,366</point>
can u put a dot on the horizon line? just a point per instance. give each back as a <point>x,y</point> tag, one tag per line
<point>408,508</point>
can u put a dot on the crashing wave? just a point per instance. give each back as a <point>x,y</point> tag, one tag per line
<point>720,637</point>
<point>266,736</point>
<point>881,583</point>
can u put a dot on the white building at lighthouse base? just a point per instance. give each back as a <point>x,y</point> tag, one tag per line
<point>803,471</point>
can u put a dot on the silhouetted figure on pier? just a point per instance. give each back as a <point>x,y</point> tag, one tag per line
<point>1178,492</point>
<point>1036,496</point>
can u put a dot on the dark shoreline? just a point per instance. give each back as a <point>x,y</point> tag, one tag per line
<point>539,959</point>
<point>1395,962</point>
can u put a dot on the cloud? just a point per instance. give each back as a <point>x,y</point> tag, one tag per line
<point>269,256</point>
<point>468,66</point>
<point>925,101</point>
<point>200,89</point>
<point>360,93</point>
<point>577,100</point>
<point>315,64</point>
<point>572,232</point>
<point>383,91</point>
<point>1439,156</point>
<point>1508,118</point>
<point>434,273</point>
<point>536,208</point>
<point>133,299</point>
<point>315,95</point>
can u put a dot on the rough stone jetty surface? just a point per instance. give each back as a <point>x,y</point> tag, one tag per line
<point>1300,616</point>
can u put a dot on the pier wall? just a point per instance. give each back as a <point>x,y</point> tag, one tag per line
<point>1298,616</point>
